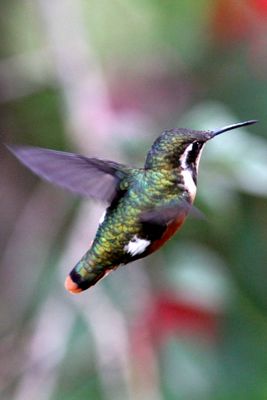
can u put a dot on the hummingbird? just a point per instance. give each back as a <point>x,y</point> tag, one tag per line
<point>145,206</point>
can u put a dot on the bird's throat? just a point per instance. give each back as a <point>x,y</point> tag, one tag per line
<point>189,182</point>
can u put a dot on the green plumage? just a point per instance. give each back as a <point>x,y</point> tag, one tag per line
<point>147,190</point>
<point>146,205</point>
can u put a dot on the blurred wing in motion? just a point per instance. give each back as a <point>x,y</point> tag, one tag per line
<point>89,177</point>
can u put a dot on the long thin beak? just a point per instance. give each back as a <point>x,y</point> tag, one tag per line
<point>233,126</point>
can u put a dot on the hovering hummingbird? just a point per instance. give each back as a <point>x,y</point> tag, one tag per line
<point>146,206</point>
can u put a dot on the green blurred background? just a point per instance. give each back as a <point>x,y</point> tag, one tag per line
<point>104,78</point>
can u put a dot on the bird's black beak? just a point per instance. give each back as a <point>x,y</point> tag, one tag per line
<point>233,126</point>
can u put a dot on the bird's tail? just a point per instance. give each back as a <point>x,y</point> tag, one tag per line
<point>83,275</point>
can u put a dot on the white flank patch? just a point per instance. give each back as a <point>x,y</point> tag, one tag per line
<point>189,183</point>
<point>101,220</point>
<point>136,246</point>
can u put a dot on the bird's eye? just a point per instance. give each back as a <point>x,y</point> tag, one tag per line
<point>194,151</point>
<point>196,146</point>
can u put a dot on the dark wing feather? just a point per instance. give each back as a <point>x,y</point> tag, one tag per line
<point>89,177</point>
<point>156,220</point>
<point>161,216</point>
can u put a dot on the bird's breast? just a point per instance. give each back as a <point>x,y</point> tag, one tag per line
<point>170,230</point>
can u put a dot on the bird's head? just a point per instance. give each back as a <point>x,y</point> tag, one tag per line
<point>181,148</point>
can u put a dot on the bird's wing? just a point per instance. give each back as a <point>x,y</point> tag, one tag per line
<point>155,221</point>
<point>89,177</point>
<point>166,213</point>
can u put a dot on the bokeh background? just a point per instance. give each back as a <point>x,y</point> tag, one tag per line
<point>104,78</point>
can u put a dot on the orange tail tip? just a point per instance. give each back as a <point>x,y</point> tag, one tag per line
<point>71,286</point>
